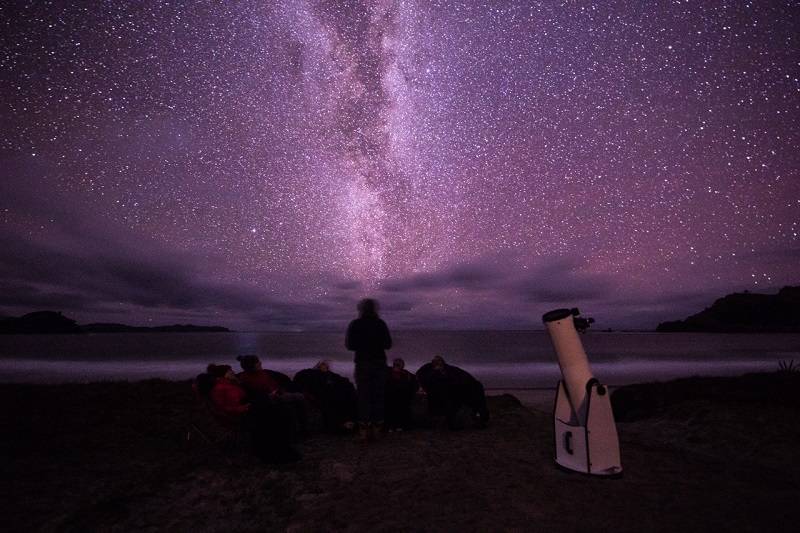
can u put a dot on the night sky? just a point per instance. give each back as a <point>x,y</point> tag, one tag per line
<point>471,164</point>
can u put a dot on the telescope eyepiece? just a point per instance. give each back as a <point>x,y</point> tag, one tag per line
<point>558,314</point>
<point>581,323</point>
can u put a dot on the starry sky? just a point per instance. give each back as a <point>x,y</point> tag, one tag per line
<point>263,165</point>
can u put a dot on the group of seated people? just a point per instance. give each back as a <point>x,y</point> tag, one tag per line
<point>272,407</point>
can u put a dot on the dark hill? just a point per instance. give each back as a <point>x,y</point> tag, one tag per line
<point>53,322</point>
<point>745,313</point>
<point>40,322</point>
<point>122,328</point>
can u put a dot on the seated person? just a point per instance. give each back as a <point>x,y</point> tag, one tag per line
<point>449,388</point>
<point>255,379</point>
<point>227,399</point>
<point>272,386</point>
<point>284,382</point>
<point>273,433</point>
<point>335,395</point>
<point>401,386</point>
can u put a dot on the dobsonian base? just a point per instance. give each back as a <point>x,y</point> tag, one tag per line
<point>588,446</point>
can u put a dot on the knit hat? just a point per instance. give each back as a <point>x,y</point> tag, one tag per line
<point>218,371</point>
<point>248,362</point>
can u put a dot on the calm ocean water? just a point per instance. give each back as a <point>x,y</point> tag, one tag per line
<point>498,358</point>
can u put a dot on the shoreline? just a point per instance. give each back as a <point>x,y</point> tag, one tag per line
<point>531,375</point>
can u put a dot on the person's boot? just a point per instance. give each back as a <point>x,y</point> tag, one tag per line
<point>481,418</point>
<point>364,431</point>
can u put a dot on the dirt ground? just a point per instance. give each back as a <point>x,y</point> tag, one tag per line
<point>115,457</point>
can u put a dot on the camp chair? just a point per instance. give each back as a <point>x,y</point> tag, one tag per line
<point>229,433</point>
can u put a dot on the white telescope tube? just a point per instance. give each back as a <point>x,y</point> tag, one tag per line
<point>585,435</point>
<point>571,358</point>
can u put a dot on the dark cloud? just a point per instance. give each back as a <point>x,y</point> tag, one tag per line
<point>472,276</point>
<point>347,285</point>
<point>548,280</point>
<point>770,256</point>
<point>94,275</point>
<point>98,272</point>
<point>562,279</point>
<point>91,274</point>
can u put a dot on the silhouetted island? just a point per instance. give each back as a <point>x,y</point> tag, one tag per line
<point>53,322</point>
<point>175,328</point>
<point>745,312</point>
<point>39,322</point>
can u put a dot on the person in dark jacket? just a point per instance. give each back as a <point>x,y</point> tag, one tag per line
<point>449,388</point>
<point>368,336</point>
<point>272,432</point>
<point>333,394</point>
<point>401,386</point>
<point>271,386</point>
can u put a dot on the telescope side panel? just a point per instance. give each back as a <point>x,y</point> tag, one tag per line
<point>573,363</point>
<point>571,449</point>
<point>601,435</point>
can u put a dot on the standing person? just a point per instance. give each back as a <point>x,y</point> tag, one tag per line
<point>368,336</point>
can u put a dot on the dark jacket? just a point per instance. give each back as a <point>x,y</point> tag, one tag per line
<point>258,382</point>
<point>449,376</point>
<point>319,386</point>
<point>401,383</point>
<point>368,337</point>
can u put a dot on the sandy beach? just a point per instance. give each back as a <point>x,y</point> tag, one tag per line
<point>115,457</point>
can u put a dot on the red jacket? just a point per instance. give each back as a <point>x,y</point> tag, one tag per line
<point>227,400</point>
<point>259,382</point>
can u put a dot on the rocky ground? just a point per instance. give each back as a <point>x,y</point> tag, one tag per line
<point>115,457</point>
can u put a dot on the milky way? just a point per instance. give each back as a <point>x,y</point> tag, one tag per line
<point>471,164</point>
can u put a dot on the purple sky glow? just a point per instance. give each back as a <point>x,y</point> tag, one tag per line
<point>263,165</point>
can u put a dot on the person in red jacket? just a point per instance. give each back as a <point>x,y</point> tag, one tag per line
<point>273,432</point>
<point>227,398</point>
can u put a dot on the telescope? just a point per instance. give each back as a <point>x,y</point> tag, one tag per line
<point>586,438</point>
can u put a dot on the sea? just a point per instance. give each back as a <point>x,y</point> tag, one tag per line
<point>500,359</point>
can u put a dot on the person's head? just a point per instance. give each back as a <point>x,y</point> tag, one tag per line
<point>204,383</point>
<point>323,366</point>
<point>250,363</point>
<point>367,308</point>
<point>438,362</point>
<point>398,364</point>
<point>221,371</point>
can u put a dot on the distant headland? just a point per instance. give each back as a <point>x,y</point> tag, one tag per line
<point>745,312</point>
<point>53,322</point>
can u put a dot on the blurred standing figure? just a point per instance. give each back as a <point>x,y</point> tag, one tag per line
<point>368,336</point>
